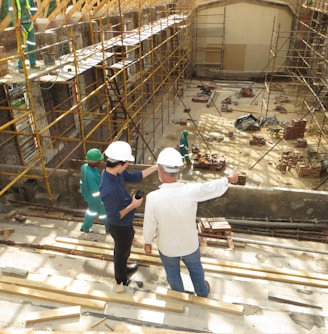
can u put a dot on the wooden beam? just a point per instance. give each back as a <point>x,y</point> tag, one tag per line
<point>90,294</point>
<point>200,301</point>
<point>205,260</point>
<point>54,314</point>
<point>51,296</point>
<point>6,231</point>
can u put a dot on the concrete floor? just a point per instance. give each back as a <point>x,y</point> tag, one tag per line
<point>261,314</point>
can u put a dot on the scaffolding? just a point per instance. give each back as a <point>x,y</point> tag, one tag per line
<point>299,60</point>
<point>114,77</point>
<point>209,35</point>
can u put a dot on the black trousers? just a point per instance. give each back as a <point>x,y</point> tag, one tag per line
<point>123,238</point>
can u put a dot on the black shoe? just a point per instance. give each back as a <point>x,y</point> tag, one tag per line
<point>131,269</point>
<point>126,283</point>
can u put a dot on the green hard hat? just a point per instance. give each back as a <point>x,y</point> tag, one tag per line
<point>94,155</point>
<point>185,132</point>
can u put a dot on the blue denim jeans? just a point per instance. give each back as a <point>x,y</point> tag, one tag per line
<point>194,266</point>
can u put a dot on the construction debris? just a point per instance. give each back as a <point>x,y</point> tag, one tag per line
<point>246,91</point>
<point>247,122</point>
<point>225,107</point>
<point>209,161</point>
<point>202,98</point>
<point>301,142</point>
<point>288,160</point>
<point>257,140</point>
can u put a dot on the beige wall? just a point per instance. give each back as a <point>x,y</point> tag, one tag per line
<point>247,33</point>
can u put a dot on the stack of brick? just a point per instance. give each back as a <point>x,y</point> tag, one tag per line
<point>257,140</point>
<point>288,160</point>
<point>308,169</point>
<point>301,142</point>
<point>3,64</point>
<point>294,130</point>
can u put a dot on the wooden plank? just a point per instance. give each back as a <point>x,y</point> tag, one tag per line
<point>205,224</point>
<point>291,300</point>
<point>266,276</point>
<point>4,230</point>
<point>51,296</point>
<point>54,314</point>
<point>98,322</point>
<point>255,268</point>
<point>78,292</point>
<point>201,301</point>
<point>246,270</point>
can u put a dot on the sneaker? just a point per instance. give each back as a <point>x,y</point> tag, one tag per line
<point>90,230</point>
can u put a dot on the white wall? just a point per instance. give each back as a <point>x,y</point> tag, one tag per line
<point>248,31</point>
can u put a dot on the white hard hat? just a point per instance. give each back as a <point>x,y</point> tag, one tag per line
<point>119,151</point>
<point>170,159</point>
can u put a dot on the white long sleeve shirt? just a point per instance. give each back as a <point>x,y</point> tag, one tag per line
<point>170,214</point>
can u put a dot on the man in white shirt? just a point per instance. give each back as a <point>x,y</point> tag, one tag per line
<point>170,217</point>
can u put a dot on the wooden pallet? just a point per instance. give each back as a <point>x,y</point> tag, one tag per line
<point>216,227</point>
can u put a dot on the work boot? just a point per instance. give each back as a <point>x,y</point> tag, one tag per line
<point>90,230</point>
<point>131,269</point>
<point>35,67</point>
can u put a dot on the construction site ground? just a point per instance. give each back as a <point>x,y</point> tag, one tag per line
<point>263,285</point>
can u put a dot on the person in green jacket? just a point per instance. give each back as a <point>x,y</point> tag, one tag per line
<point>23,16</point>
<point>184,146</point>
<point>89,185</point>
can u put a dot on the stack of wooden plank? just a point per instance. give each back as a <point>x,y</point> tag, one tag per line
<point>216,227</point>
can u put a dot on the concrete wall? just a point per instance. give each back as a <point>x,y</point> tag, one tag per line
<point>246,36</point>
<point>238,202</point>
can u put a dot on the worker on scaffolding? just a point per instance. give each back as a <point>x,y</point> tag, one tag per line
<point>184,146</point>
<point>23,17</point>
